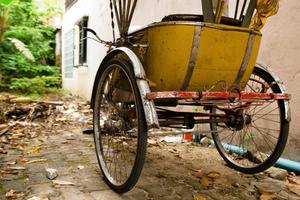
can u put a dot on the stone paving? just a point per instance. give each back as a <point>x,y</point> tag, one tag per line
<point>168,173</point>
<point>181,170</point>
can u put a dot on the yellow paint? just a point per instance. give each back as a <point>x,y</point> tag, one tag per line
<point>264,9</point>
<point>221,52</point>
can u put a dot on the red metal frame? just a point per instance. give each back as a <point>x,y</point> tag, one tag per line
<point>216,95</point>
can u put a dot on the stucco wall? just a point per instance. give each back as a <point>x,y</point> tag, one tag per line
<point>280,49</point>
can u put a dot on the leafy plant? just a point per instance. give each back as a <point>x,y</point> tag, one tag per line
<point>27,50</point>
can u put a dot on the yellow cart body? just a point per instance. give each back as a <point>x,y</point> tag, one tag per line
<point>194,56</point>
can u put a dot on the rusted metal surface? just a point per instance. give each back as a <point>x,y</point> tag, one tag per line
<point>216,95</point>
<point>282,88</point>
<point>172,95</point>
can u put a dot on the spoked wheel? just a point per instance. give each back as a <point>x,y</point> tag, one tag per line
<point>120,130</point>
<point>256,137</point>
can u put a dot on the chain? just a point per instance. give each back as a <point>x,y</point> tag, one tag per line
<point>112,21</point>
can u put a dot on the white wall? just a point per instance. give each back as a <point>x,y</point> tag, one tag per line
<point>99,20</point>
<point>280,49</point>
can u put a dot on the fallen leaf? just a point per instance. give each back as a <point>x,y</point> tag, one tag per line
<point>294,188</point>
<point>10,194</point>
<point>21,160</point>
<point>214,175</point>
<point>199,173</point>
<point>21,100</point>
<point>294,180</point>
<point>267,196</point>
<point>17,168</point>
<point>3,126</point>
<point>8,171</point>
<point>204,181</point>
<point>35,161</point>
<point>44,197</point>
<point>58,182</point>
<point>34,149</point>
<point>198,197</point>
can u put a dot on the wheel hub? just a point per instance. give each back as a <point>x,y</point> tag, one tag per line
<point>239,121</point>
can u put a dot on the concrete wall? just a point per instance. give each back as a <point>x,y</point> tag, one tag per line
<point>280,49</point>
<point>83,77</point>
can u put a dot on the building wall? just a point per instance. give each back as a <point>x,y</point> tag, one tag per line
<point>280,49</point>
<point>83,76</point>
<point>280,46</point>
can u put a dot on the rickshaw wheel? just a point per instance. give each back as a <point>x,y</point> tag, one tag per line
<point>120,131</point>
<point>260,142</point>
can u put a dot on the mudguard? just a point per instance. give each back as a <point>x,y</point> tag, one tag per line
<point>138,69</point>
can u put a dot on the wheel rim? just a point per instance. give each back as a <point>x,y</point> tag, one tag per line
<point>255,143</point>
<point>115,124</point>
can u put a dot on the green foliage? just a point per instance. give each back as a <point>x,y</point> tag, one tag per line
<point>6,2</point>
<point>27,51</point>
<point>36,85</point>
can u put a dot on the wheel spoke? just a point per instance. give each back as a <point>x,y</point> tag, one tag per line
<point>117,147</point>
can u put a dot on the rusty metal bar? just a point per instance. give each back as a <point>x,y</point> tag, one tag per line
<point>216,95</point>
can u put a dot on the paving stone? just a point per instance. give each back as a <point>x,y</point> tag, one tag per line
<point>136,194</point>
<point>38,178</point>
<point>277,173</point>
<point>270,186</point>
<point>73,193</point>
<point>283,195</point>
<point>106,195</point>
<point>157,191</point>
<point>92,184</point>
<point>44,189</point>
<point>17,185</point>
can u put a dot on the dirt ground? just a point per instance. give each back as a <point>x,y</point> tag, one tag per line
<point>37,135</point>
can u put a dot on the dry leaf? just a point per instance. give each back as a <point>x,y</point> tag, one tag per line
<point>214,175</point>
<point>25,100</point>
<point>199,173</point>
<point>294,188</point>
<point>10,193</point>
<point>294,180</point>
<point>198,197</point>
<point>44,197</point>
<point>3,126</point>
<point>22,160</point>
<point>58,182</point>
<point>35,161</point>
<point>204,181</point>
<point>17,168</point>
<point>34,149</point>
<point>267,196</point>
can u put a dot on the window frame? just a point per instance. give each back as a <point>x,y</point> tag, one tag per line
<point>82,45</point>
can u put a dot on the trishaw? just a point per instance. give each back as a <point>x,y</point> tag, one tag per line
<point>182,72</point>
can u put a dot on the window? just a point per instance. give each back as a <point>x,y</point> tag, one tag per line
<point>69,3</point>
<point>83,24</point>
<point>69,54</point>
